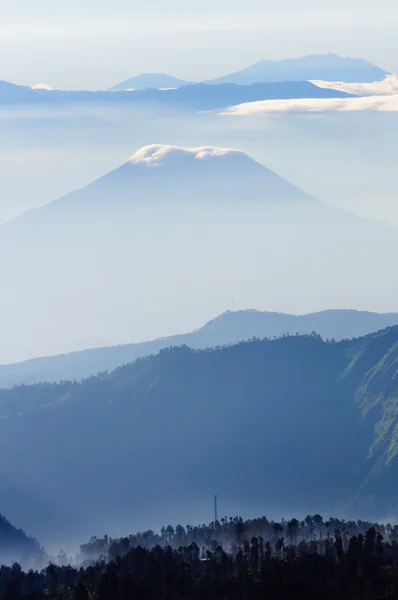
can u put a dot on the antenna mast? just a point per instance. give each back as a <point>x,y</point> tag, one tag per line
<point>215,509</point>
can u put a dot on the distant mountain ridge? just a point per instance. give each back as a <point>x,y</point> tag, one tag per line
<point>149,80</point>
<point>228,328</point>
<point>193,97</point>
<point>327,67</point>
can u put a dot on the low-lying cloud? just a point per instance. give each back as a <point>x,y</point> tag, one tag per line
<point>385,103</point>
<point>387,87</point>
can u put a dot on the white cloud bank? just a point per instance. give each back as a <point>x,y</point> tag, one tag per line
<point>387,87</point>
<point>158,154</point>
<point>379,96</point>
<point>386,103</point>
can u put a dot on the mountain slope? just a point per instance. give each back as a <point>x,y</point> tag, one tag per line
<point>261,423</point>
<point>327,67</point>
<point>149,80</point>
<point>228,328</point>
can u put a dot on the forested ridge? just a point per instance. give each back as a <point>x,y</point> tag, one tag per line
<point>293,424</point>
<point>230,558</point>
<point>230,327</point>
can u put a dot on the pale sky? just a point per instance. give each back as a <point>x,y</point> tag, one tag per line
<point>96,43</point>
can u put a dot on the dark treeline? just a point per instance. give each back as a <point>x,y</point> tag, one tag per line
<point>239,559</point>
<point>231,533</point>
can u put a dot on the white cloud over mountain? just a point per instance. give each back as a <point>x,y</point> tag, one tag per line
<point>377,96</point>
<point>158,154</point>
<point>385,103</point>
<point>388,86</point>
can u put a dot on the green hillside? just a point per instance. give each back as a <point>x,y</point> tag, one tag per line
<point>288,425</point>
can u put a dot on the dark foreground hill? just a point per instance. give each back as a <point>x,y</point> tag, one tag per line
<point>290,425</point>
<point>232,558</point>
<point>310,562</point>
<point>228,328</point>
<point>15,545</point>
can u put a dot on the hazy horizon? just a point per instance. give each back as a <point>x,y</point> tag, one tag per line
<point>95,47</point>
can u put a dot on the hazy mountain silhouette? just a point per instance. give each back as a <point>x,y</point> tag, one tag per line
<point>176,227</point>
<point>204,175</point>
<point>228,328</point>
<point>189,97</point>
<point>160,191</point>
<point>149,80</point>
<point>328,67</point>
<point>262,423</point>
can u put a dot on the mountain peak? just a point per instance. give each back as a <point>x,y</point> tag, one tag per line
<point>218,172</point>
<point>330,67</point>
<point>165,174</point>
<point>149,80</point>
